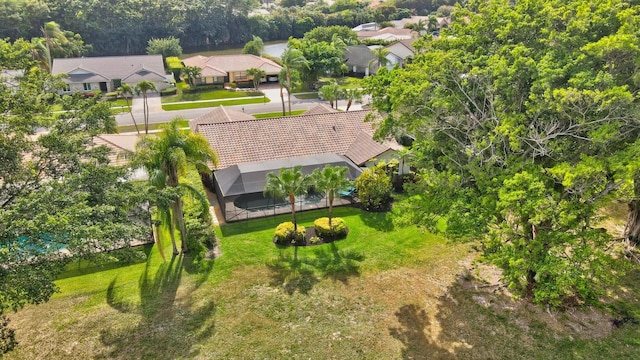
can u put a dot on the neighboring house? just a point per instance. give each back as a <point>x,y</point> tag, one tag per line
<point>107,73</point>
<point>122,146</point>
<point>372,26</point>
<point>220,69</point>
<point>248,149</point>
<point>358,59</point>
<point>399,52</point>
<point>387,34</point>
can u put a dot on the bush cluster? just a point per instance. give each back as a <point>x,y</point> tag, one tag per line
<point>169,91</point>
<point>286,235</point>
<point>338,228</point>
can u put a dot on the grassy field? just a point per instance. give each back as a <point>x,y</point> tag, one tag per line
<point>385,292</point>
<point>306,96</point>
<point>209,95</point>
<point>206,104</point>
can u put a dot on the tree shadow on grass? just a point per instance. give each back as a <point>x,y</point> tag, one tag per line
<point>301,274</point>
<point>381,221</point>
<point>414,321</point>
<point>169,326</point>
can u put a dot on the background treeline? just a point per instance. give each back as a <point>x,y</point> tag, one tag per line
<point>123,27</point>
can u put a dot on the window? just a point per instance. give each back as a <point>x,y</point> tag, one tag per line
<point>86,86</point>
<point>240,75</point>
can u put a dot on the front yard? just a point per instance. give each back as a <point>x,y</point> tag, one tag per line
<point>384,292</point>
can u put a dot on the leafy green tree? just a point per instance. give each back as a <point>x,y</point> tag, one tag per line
<point>126,91</point>
<point>143,87</point>
<point>374,188</point>
<point>329,33</point>
<point>254,47</point>
<point>57,189</point>
<point>322,58</point>
<point>256,76</point>
<point>164,46</point>
<point>526,128</point>
<point>288,183</point>
<point>331,180</point>
<point>165,158</point>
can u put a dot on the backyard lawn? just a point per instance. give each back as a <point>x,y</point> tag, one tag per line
<point>384,292</point>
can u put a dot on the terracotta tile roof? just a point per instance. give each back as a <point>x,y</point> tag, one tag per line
<point>364,148</point>
<point>120,144</point>
<point>233,63</point>
<point>218,115</point>
<point>320,109</point>
<point>238,142</point>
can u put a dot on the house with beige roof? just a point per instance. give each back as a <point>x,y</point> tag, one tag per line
<point>387,34</point>
<point>108,73</point>
<point>249,148</point>
<point>220,69</point>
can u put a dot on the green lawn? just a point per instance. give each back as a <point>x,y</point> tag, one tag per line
<point>279,114</point>
<point>198,105</point>
<point>306,96</point>
<point>209,95</point>
<point>384,292</point>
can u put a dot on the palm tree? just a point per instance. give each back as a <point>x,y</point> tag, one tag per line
<point>143,87</point>
<point>292,60</point>
<point>288,183</point>
<point>380,58</point>
<point>166,157</point>
<point>330,93</point>
<point>331,180</point>
<point>191,73</point>
<point>257,75</point>
<point>352,95</point>
<point>289,84</point>
<point>125,91</point>
<point>51,30</point>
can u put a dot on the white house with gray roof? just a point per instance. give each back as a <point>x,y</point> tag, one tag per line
<point>107,73</point>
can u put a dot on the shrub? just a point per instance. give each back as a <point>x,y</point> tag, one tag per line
<point>169,91</point>
<point>337,230</point>
<point>374,188</point>
<point>111,96</point>
<point>285,234</point>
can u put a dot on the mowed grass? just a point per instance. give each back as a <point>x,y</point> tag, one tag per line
<point>207,104</point>
<point>278,114</point>
<point>152,126</point>
<point>384,292</point>
<point>209,95</point>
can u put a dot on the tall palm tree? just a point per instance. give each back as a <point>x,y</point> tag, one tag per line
<point>288,183</point>
<point>379,58</point>
<point>257,75</point>
<point>352,95</point>
<point>288,83</point>
<point>292,61</point>
<point>126,91</point>
<point>331,180</point>
<point>166,157</point>
<point>51,30</point>
<point>143,87</point>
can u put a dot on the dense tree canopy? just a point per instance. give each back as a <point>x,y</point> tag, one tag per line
<point>526,121</point>
<point>57,191</point>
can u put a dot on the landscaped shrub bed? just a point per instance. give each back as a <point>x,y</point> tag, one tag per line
<point>318,234</point>
<point>286,235</point>
<point>169,91</point>
<point>338,229</point>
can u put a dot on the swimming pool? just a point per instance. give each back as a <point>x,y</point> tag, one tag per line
<point>258,202</point>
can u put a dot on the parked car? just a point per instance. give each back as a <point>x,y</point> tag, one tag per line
<point>272,78</point>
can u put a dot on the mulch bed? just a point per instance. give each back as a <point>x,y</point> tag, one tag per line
<point>310,232</point>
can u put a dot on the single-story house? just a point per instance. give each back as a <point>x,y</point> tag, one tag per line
<point>399,52</point>
<point>249,148</point>
<point>387,34</point>
<point>358,59</point>
<point>220,69</point>
<point>121,146</point>
<point>107,73</point>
